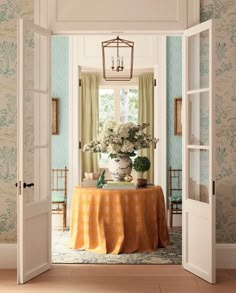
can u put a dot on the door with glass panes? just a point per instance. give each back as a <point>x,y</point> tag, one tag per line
<point>199,151</point>
<point>33,151</point>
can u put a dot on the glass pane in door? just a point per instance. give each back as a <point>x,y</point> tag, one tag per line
<point>28,140</point>
<point>36,61</point>
<point>198,175</point>
<point>198,61</point>
<point>198,118</point>
<point>36,115</point>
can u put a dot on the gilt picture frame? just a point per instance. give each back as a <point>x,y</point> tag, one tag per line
<point>55,116</point>
<point>177,117</point>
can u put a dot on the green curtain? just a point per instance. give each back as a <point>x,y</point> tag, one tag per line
<point>89,119</point>
<point>146,113</point>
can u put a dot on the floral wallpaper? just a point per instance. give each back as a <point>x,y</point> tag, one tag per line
<point>9,11</point>
<point>224,11</point>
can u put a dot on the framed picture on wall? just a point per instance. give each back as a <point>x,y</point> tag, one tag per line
<point>177,118</point>
<point>55,116</point>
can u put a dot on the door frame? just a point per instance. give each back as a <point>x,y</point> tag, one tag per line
<point>41,18</point>
<point>159,116</point>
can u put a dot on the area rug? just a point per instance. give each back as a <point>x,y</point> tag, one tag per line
<point>172,254</point>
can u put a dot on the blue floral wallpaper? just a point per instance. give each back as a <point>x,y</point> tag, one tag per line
<point>9,11</point>
<point>225,13</point>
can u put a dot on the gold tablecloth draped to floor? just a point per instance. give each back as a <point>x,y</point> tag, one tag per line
<point>116,221</point>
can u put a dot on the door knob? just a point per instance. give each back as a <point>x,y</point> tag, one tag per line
<point>28,185</point>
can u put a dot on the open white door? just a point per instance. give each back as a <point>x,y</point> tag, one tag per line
<point>198,152</point>
<point>34,161</point>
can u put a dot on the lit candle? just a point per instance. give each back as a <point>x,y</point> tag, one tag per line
<point>118,61</point>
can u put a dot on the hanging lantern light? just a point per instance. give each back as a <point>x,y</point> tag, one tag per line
<point>117,55</point>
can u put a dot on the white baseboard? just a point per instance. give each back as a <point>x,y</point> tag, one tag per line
<point>225,256</point>
<point>8,253</point>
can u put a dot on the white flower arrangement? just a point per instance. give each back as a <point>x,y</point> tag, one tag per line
<point>120,138</point>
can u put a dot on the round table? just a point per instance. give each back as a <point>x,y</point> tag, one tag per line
<point>116,221</point>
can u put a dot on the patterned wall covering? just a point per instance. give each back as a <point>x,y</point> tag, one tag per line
<point>174,89</point>
<point>60,63</point>
<point>224,11</point>
<point>9,11</point>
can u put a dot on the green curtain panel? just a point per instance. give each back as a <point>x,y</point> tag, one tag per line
<point>89,119</point>
<point>146,113</point>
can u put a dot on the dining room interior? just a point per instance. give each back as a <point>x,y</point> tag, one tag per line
<point>27,249</point>
<point>122,101</point>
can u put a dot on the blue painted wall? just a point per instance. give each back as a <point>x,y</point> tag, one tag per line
<point>60,67</point>
<point>174,89</point>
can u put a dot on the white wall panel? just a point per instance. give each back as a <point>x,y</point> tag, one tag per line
<point>122,10</point>
<point>122,15</point>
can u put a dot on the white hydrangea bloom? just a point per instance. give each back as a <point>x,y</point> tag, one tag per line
<point>127,147</point>
<point>120,138</point>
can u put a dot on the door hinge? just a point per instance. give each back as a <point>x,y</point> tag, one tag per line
<point>80,145</point>
<point>18,185</point>
<point>80,82</point>
<point>155,82</point>
<point>213,187</point>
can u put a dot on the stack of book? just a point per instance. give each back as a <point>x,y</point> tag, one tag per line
<point>89,183</point>
<point>119,185</point>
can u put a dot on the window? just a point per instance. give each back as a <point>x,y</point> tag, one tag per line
<point>117,103</point>
<point>106,105</point>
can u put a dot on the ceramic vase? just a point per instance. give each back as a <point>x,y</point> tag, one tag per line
<point>119,167</point>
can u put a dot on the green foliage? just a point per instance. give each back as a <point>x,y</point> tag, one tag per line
<point>7,58</point>
<point>128,101</point>
<point>141,164</point>
<point>106,105</point>
<point>129,105</point>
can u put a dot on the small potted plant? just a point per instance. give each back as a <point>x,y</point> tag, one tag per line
<point>141,165</point>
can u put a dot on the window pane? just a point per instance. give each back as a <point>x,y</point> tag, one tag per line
<point>129,105</point>
<point>198,61</point>
<point>106,112</point>
<point>198,175</point>
<point>104,159</point>
<point>106,105</point>
<point>198,117</point>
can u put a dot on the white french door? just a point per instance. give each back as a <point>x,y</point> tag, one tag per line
<point>33,151</point>
<point>198,152</point>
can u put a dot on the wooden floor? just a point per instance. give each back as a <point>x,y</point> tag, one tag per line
<point>118,279</point>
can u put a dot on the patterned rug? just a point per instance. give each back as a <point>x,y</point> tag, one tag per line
<point>172,254</point>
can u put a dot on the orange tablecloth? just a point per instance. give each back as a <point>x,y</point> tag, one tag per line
<point>115,221</point>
